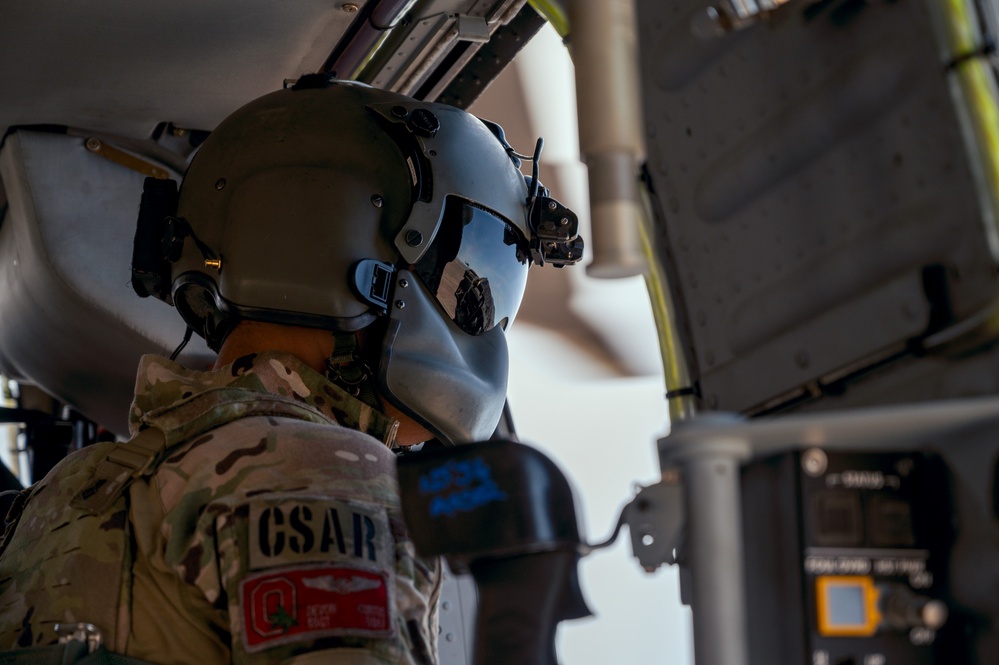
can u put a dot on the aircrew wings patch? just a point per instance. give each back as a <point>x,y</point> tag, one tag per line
<point>310,602</point>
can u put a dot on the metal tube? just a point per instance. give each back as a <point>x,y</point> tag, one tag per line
<point>714,551</point>
<point>376,20</point>
<point>604,44</point>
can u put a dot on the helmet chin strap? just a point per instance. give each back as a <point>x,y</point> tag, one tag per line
<point>347,368</point>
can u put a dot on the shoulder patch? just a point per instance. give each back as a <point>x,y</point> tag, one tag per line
<point>296,529</point>
<point>303,603</point>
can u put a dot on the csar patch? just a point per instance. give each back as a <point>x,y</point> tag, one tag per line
<point>295,529</point>
<point>310,602</point>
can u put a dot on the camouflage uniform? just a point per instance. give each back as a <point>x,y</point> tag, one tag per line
<point>263,527</point>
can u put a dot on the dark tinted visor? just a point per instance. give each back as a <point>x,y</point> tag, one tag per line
<point>476,268</point>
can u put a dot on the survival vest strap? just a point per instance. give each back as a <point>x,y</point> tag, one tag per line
<point>127,461</point>
<point>124,463</point>
<point>73,652</point>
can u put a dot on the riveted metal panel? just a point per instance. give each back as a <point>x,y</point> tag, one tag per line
<point>813,184</point>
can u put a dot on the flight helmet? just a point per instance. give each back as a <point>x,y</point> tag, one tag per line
<point>335,205</point>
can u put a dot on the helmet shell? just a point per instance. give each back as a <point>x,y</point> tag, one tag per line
<point>284,191</point>
<point>296,187</point>
<point>294,190</point>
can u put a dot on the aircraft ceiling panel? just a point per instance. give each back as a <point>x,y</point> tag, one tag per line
<point>111,72</point>
<point>818,204</point>
<point>123,67</point>
<point>71,322</point>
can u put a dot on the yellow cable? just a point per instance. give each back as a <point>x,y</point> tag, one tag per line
<point>675,369</point>
<point>553,12</point>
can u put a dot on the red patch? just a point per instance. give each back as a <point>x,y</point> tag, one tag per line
<point>307,602</point>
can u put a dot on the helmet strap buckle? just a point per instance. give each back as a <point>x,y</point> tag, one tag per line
<point>346,368</point>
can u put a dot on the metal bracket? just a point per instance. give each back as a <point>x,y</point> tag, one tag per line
<point>373,282</point>
<point>473,29</point>
<point>122,158</point>
<point>655,520</point>
<point>87,633</point>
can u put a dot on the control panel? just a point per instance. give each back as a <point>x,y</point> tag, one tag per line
<point>846,557</point>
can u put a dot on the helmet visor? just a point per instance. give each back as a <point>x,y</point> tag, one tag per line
<point>476,268</point>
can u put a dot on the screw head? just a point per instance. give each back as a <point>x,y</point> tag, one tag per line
<point>414,238</point>
<point>220,184</point>
<point>401,304</point>
<point>93,144</point>
<point>349,7</point>
<point>377,201</point>
<point>904,467</point>
<point>399,111</point>
<point>934,614</point>
<point>403,283</point>
<point>552,205</point>
<point>564,221</point>
<point>814,462</point>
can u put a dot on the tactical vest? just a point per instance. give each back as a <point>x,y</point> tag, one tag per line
<point>95,512</point>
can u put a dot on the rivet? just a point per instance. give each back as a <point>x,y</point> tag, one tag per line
<point>220,184</point>
<point>564,221</point>
<point>433,153</point>
<point>552,205</point>
<point>349,7</point>
<point>178,132</point>
<point>814,462</point>
<point>401,304</point>
<point>94,145</point>
<point>399,111</point>
<point>214,263</point>
<point>414,238</point>
<point>377,201</point>
<point>404,283</point>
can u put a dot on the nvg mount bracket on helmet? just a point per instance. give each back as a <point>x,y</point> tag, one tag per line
<point>556,228</point>
<point>556,233</point>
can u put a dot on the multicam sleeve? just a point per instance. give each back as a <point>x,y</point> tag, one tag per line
<point>293,533</point>
<point>306,573</point>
